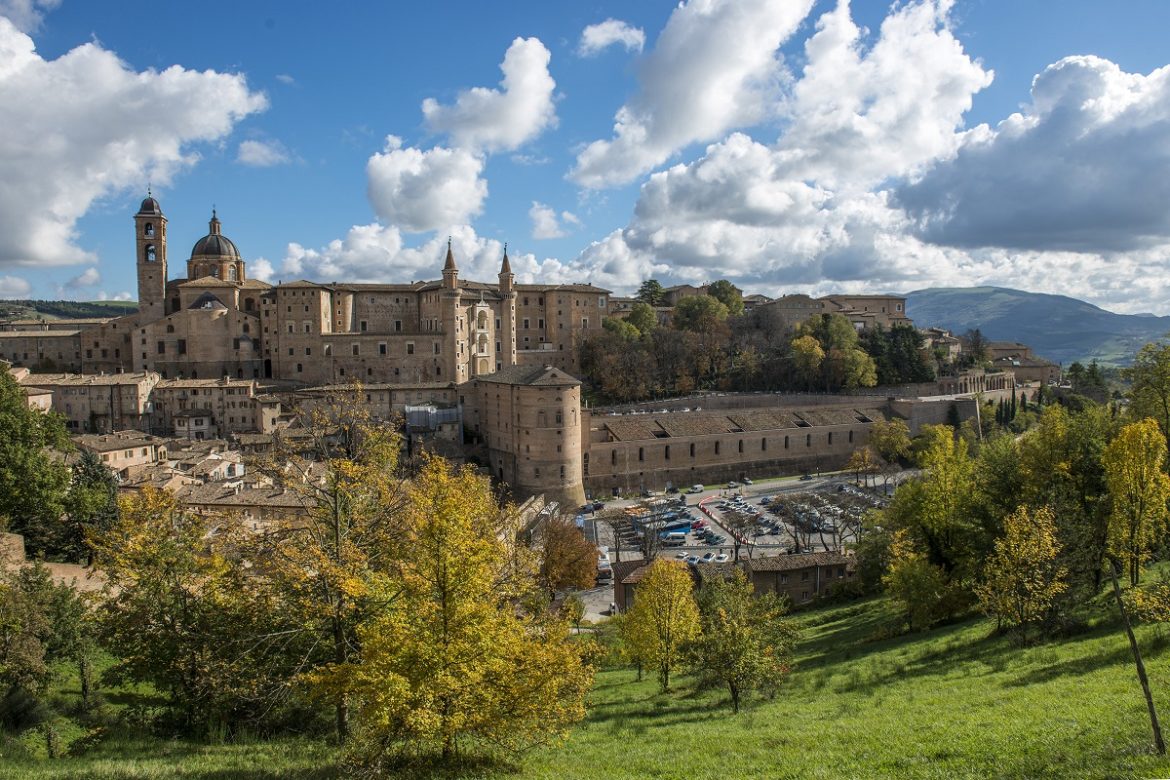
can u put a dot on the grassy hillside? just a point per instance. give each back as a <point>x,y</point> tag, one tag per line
<point>1059,328</point>
<point>951,703</point>
<point>64,310</point>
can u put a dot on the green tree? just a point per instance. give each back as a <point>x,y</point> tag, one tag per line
<point>918,586</point>
<point>1134,463</point>
<point>975,347</point>
<point>455,662</point>
<point>745,642</point>
<point>643,317</point>
<point>651,293</point>
<point>181,615</point>
<point>1023,577</point>
<point>1149,393</point>
<point>699,314</point>
<point>664,617</point>
<point>91,505</point>
<point>33,482</point>
<point>891,439</point>
<point>726,293</point>
<point>807,356</point>
<point>624,330</point>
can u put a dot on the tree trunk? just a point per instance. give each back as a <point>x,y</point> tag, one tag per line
<point>85,675</point>
<point>734,697</point>
<point>1114,569</point>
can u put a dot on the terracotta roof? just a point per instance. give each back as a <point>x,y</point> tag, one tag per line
<point>802,561</point>
<point>53,380</point>
<point>209,281</point>
<point>120,440</point>
<point>531,376</point>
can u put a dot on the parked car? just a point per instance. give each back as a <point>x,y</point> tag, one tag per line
<point>732,485</point>
<point>708,557</point>
<point>748,481</point>
<point>672,490</point>
<point>695,489</point>
<point>722,558</point>
<point>692,559</point>
<point>805,477</point>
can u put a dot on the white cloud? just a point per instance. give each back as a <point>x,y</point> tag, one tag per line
<point>715,67</point>
<point>547,224</point>
<point>803,211</point>
<point>14,287</point>
<point>1082,168</point>
<point>420,190</point>
<point>262,269</point>
<point>123,296</point>
<point>262,154</point>
<point>612,32</point>
<point>286,79</point>
<point>87,278</point>
<point>501,119</point>
<point>75,131</point>
<point>27,15</point>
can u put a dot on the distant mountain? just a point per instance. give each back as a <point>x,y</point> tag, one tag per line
<point>64,310</point>
<point>1057,327</point>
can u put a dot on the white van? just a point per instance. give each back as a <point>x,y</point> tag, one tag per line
<point>696,489</point>
<point>675,539</point>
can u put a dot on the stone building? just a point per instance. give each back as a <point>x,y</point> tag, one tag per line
<point>123,450</point>
<point>99,403</point>
<point>227,406</point>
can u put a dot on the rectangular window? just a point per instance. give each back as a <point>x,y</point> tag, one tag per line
<point>381,348</point>
<point>410,347</point>
<point>436,348</point>
<point>356,349</point>
<point>584,322</point>
<point>162,348</point>
<point>363,326</point>
<point>525,323</point>
<point>540,323</point>
<point>641,454</point>
<point>397,326</point>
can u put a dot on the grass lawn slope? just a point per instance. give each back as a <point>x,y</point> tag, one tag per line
<point>951,703</point>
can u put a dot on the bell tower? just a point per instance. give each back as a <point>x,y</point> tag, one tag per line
<point>150,239</point>
<point>507,279</point>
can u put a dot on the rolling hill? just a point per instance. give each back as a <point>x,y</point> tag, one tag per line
<point>1057,327</point>
<point>58,310</point>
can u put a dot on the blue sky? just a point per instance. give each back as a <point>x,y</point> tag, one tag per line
<point>789,145</point>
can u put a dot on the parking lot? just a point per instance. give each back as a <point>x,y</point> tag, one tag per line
<point>806,517</point>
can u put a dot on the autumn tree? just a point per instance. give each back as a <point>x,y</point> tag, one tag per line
<point>807,356</point>
<point>1023,577</point>
<point>1134,463</point>
<point>664,617</point>
<point>745,642</point>
<point>342,470</point>
<point>567,559</point>
<point>454,662</point>
<point>863,461</point>
<point>33,481</point>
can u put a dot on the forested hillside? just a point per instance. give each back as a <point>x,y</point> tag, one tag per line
<point>1057,327</point>
<point>64,310</point>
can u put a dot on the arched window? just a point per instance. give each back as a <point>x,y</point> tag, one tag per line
<point>215,271</point>
<point>148,229</point>
<point>150,253</point>
<point>483,320</point>
<point>246,328</point>
<point>170,328</point>
<point>231,273</point>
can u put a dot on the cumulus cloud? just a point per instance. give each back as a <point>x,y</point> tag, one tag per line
<point>418,190</point>
<point>804,210</point>
<point>262,154</point>
<point>612,32</point>
<point>87,278</point>
<point>378,253</point>
<point>715,67</point>
<point>546,223</point>
<point>261,268</point>
<point>501,119</point>
<point>75,131</point>
<point>27,15</point>
<point>14,287</point>
<point>1082,168</point>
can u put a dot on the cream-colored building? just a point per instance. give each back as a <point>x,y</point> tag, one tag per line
<point>99,403</point>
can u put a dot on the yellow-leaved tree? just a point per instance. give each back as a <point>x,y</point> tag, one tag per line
<point>457,661</point>
<point>913,581</point>
<point>664,618</point>
<point>1139,488</point>
<point>341,466</point>
<point>1022,578</point>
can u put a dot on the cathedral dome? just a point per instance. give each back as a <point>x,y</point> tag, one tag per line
<point>215,244</point>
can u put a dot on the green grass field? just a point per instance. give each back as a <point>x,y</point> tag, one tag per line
<point>951,703</point>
